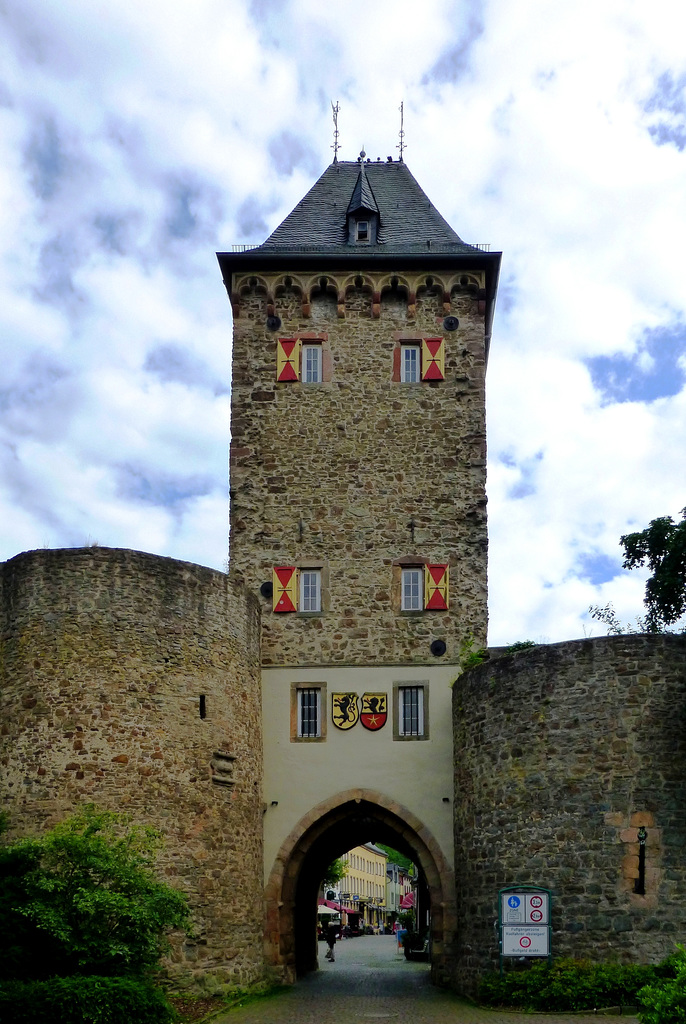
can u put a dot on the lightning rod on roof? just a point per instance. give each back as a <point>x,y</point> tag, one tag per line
<point>401,145</point>
<point>336,144</point>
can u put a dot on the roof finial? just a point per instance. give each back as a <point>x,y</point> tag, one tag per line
<point>336,144</point>
<point>401,133</point>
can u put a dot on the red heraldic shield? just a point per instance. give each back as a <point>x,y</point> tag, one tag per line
<point>374,710</point>
<point>436,587</point>
<point>285,588</point>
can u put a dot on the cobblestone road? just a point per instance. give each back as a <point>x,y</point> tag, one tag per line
<point>371,982</point>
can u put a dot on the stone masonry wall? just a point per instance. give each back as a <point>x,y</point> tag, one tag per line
<point>104,655</point>
<point>561,753</point>
<point>332,474</point>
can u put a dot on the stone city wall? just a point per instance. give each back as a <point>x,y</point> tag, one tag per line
<point>561,753</point>
<point>331,475</point>
<point>104,658</point>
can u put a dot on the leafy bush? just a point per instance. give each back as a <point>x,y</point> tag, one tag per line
<point>665,998</point>
<point>520,645</point>
<point>92,1000</point>
<point>567,984</point>
<point>83,899</point>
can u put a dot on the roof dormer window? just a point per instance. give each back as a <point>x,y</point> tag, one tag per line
<point>362,231</point>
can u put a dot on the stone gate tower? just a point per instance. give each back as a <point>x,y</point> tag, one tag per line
<point>358,516</point>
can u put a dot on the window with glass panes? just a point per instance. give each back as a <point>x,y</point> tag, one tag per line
<point>309,714</point>
<point>409,364</point>
<point>310,590</point>
<point>411,711</point>
<point>312,364</point>
<point>412,594</point>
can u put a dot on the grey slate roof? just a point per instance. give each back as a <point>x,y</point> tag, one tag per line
<point>408,222</point>
<point>363,197</point>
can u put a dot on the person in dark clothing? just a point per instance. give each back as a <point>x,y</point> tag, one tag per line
<point>331,933</point>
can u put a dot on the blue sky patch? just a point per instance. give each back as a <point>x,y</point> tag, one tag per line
<point>668,103</point>
<point>597,567</point>
<point>653,371</point>
<point>288,151</point>
<point>453,63</point>
<point>154,488</point>
<point>45,159</point>
<point>172,362</point>
<point>528,468</point>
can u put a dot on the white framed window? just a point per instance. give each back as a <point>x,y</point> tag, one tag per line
<point>308,720</point>
<point>309,712</point>
<point>410,364</point>
<point>310,590</point>
<point>312,364</point>
<point>412,590</point>
<point>411,711</point>
<point>362,231</point>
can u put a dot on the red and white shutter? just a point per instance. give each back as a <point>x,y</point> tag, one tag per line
<point>436,587</point>
<point>433,359</point>
<point>285,588</point>
<point>287,359</point>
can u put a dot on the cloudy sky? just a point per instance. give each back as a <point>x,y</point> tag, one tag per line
<point>138,138</point>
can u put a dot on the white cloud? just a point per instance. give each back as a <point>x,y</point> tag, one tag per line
<point>136,139</point>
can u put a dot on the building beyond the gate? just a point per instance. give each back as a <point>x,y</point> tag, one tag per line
<point>313,700</point>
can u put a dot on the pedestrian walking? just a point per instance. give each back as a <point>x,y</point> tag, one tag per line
<point>331,932</point>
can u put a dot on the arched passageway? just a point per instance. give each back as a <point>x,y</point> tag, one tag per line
<point>330,829</point>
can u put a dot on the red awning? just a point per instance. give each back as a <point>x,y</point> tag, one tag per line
<point>407,902</point>
<point>329,904</point>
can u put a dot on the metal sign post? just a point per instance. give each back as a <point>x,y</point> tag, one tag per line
<point>524,922</point>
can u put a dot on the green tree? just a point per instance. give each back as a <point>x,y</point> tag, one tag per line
<point>84,899</point>
<point>396,857</point>
<point>662,546</point>
<point>334,873</point>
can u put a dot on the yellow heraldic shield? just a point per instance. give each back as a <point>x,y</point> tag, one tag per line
<point>345,711</point>
<point>374,710</point>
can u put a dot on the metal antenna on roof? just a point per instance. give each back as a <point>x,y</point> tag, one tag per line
<point>336,144</point>
<point>401,145</point>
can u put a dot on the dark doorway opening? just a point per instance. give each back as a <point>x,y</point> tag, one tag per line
<point>294,886</point>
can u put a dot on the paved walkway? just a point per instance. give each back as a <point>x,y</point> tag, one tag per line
<point>369,982</point>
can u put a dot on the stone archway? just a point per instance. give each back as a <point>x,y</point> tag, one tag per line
<point>332,827</point>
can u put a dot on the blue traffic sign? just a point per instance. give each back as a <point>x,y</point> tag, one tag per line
<point>513,901</point>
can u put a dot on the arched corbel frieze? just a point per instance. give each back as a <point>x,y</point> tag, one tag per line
<point>362,287</point>
<point>323,295</point>
<point>467,288</point>
<point>431,293</point>
<point>394,291</point>
<point>289,293</point>
<point>250,290</point>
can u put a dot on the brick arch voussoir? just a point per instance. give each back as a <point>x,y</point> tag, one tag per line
<point>436,869</point>
<point>280,955</point>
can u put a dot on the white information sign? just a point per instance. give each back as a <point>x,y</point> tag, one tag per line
<point>525,940</point>
<point>514,905</point>
<point>524,908</point>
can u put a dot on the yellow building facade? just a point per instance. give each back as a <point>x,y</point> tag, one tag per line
<point>363,887</point>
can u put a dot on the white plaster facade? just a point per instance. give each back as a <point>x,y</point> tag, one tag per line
<point>414,773</point>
